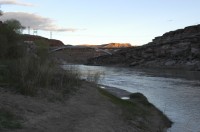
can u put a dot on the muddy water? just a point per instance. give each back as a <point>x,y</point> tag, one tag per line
<point>176,93</point>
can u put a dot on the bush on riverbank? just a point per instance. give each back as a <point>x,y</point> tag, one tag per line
<point>29,75</point>
<point>28,69</point>
<point>10,48</point>
<point>31,71</point>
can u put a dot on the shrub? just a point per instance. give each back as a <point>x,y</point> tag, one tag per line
<point>42,49</point>
<point>14,25</point>
<point>29,75</point>
<point>30,72</point>
<point>9,43</point>
<point>94,77</point>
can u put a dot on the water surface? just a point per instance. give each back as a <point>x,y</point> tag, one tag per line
<point>176,93</point>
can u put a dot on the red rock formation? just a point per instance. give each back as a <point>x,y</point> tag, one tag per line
<point>117,45</point>
<point>54,42</point>
<point>33,38</point>
<point>110,45</point>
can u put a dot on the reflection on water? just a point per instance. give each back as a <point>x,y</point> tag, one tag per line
<point>176,93</point>
<point>125,98</point>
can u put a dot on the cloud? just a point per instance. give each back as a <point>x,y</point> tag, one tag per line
<point>35,21</point>
<point>14,2</point>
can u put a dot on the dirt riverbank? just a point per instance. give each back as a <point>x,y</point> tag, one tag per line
<point>85,111</point>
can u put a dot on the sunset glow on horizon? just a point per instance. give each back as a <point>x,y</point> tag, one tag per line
<point>101,22</point>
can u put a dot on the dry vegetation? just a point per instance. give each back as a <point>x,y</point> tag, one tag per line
<point>29,70</point>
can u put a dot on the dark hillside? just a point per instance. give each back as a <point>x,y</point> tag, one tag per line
<point>33,38</point>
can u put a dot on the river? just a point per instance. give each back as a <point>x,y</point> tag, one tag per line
<point>176,93</point>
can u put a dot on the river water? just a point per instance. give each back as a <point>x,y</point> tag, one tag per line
<point>176,93</point>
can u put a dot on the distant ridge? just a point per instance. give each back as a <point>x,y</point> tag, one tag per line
<point>110,45</point>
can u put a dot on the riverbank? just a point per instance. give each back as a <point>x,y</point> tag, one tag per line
<point>87,110</point>
<point>149,113</point>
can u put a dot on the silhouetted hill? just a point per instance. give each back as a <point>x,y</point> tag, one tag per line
<point>33,38</point>
<point>175,49</point>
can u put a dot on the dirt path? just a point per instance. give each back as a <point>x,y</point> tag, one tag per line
<point>86,111</point>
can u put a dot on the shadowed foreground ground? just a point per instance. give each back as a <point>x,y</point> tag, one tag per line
<point>86,111</point>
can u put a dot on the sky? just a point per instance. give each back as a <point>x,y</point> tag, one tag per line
<point>102,21</point>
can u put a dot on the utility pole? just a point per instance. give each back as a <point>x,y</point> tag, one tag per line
<point>1,13</point>
<point>29,30</point>
<point>35,32</point>
<point>51,34</point>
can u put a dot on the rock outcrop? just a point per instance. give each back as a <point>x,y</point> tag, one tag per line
<point>175,49</point>
<point>117,45</point>
<point>109,46</point>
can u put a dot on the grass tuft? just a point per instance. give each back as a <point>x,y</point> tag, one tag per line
<point>94,77</point>
<point>131,109</point>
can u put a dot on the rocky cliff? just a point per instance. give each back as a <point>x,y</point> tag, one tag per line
<point>175,49</point>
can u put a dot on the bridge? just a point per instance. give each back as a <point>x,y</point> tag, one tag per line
<point>80,54</point>
<point>55,49</point>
